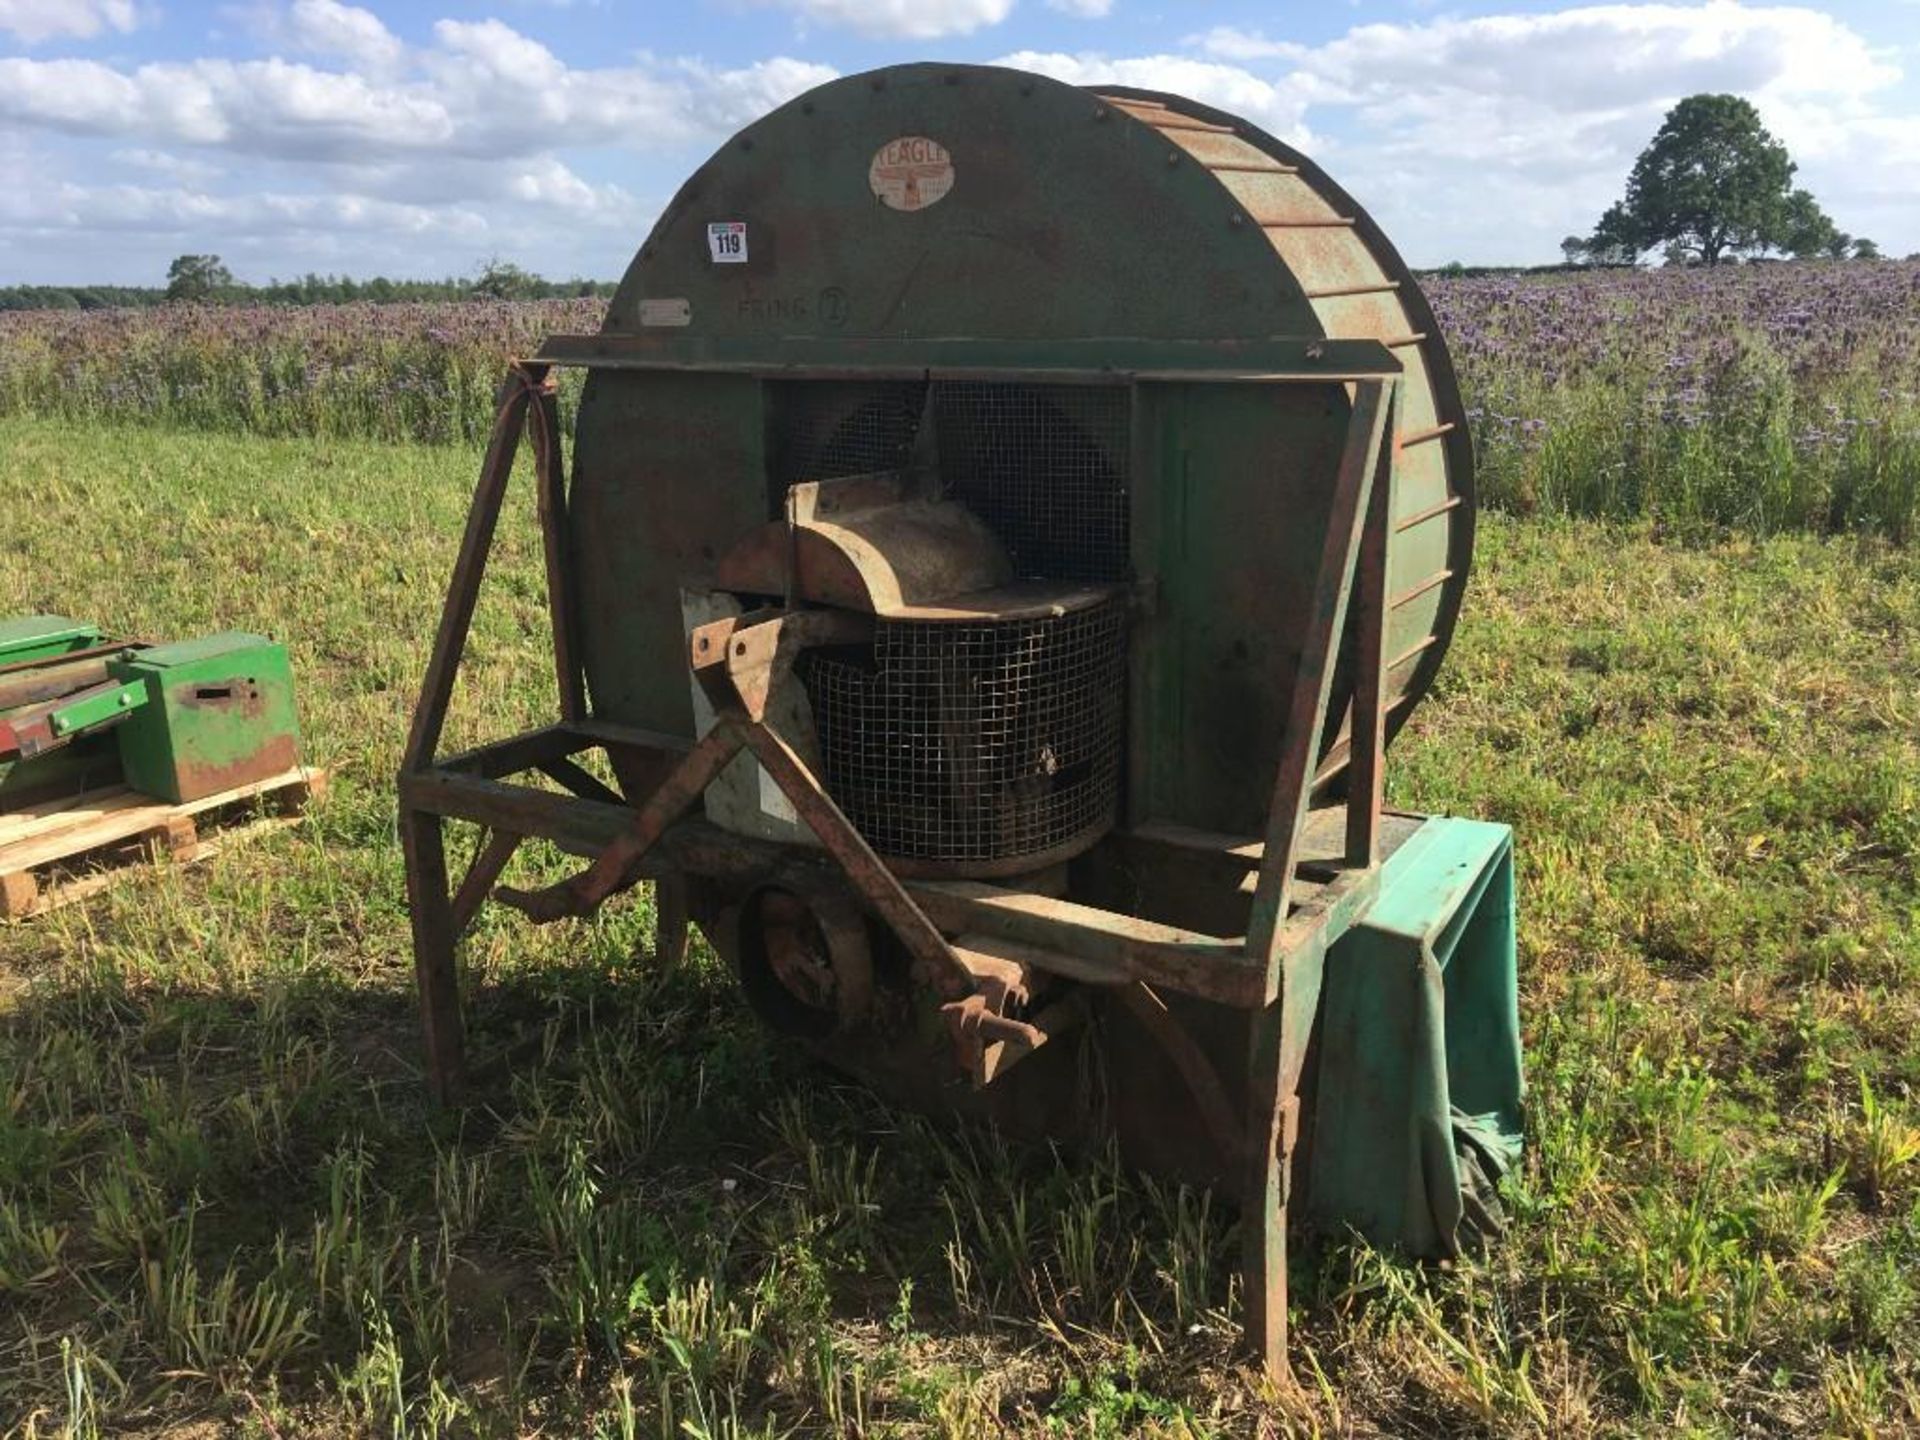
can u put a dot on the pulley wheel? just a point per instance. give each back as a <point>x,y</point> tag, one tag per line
<point>803,961</point>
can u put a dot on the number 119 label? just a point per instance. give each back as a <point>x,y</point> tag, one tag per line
<point>727,242</point>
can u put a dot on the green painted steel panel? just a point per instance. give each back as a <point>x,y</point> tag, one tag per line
<point>33,637</point>
<point>1226,532</point>
<point>97,709</point>
<point>225,647</point>
<point>669,470</point>
<point>1064,219</point>
<point>1418,1095</point>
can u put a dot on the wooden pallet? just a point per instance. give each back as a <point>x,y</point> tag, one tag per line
<point>63,850</point>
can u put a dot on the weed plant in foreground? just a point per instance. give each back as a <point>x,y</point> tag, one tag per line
<point>226,1209</point>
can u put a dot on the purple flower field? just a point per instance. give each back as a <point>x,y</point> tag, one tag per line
<point>401,372</point>
<point>1760,397</point>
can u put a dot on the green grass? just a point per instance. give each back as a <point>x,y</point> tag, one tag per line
<point>225,1208</point>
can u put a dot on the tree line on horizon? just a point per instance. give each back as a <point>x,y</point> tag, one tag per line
<point>205,279</point>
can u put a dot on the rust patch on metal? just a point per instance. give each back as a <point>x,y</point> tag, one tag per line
<point>199,778</point>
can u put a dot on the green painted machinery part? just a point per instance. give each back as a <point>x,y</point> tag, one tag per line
<point>101,707</point>
<point>1076,223</point>
<point>36,637</point>
<point>1417,1098</point>
<point>219,714</point>
<point>87,763</point>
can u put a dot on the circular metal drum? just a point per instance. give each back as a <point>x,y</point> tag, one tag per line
<point>937,205</point>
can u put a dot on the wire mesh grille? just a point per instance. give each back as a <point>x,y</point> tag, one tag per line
<point>1045,466</point>
<point>969,742</point>
<point>823,429</point>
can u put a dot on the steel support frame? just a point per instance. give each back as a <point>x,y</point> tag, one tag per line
<point>1274,971</point>
<point>438,914</point>
<point>1353,562</point>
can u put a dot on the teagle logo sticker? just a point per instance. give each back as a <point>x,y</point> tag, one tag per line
<point>911,173</point>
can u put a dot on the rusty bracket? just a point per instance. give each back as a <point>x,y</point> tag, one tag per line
<point>618,866</point>
<point>1008,985</point>
<point>933,959</point>
<point>488,861</point>
<point>987,1045</point>
<point>986,1035</point>
<point>741,660</point>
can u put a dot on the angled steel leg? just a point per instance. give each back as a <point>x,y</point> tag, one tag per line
<point>1280,1030</point>
<point>431,910</point>
<point>422,843</point>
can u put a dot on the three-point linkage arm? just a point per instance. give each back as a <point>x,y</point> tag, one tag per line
<point>740,662</point>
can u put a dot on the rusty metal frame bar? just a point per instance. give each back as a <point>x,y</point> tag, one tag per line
<point>1132,949</point>
<point>1091,945</point>
<point>488,862</point>
<point>1108,361</point>
<point>1293,956</point>
<point>550,490</point>
<point>618,867</point>
<point>1367,740</point>
<point>524,380</point>
<point>1360,461</point>
<point>422,837</point>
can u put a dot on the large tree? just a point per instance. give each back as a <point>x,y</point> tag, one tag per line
<point>197,277</point>
<point>1713,183</point>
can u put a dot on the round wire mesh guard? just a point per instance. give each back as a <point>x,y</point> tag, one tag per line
<point>973,746</point>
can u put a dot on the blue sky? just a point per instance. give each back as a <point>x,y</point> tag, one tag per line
<point>422,137</point>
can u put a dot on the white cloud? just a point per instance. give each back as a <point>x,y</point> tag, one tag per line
<point>66,205</point>
<point>731,99</point>
<point>1230,42</point>
<point>1083,9</point>
<point>1537,117</point>
<point>1484,138</point>
<point>498,49</point>
<point>263,107</point>
<point>1604,56</point>
<point>31,21</point>
<point>466,127</point>
<point>902,19</point>
<point>164,162</point>
<point>484,90</point>
<point>327,27</point>
<point>546,182</point>
<point>1277,105</point>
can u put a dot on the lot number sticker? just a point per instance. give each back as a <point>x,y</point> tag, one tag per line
<point>727,242</point>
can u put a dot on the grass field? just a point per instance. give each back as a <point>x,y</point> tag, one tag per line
<point>224,1207</point>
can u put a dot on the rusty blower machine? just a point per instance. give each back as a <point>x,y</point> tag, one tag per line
<point>1007,525</point>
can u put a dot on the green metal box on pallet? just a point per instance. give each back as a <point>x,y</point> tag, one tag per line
<point>219,714</point>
